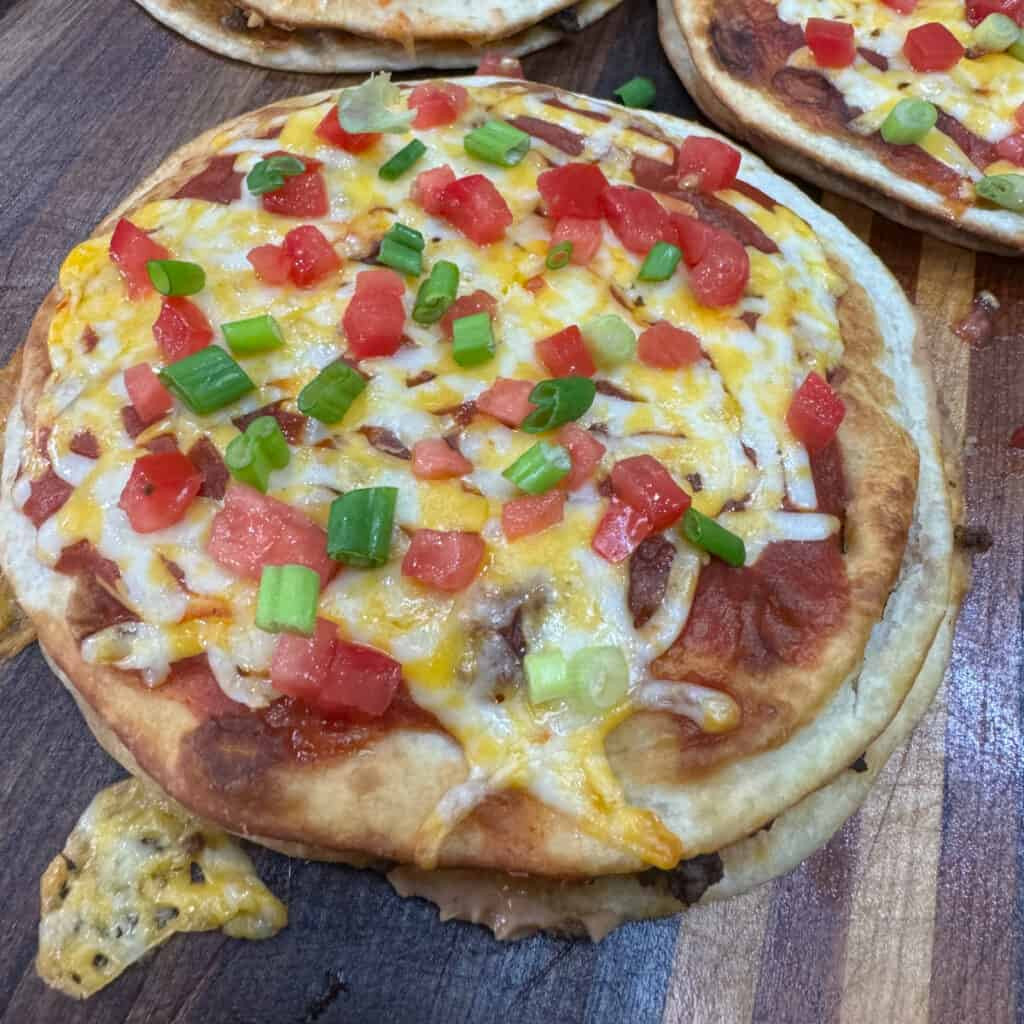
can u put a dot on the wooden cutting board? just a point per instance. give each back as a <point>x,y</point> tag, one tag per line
<point>912,913</point>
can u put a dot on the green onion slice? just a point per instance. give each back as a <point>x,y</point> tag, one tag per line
<point>359,526</point>
<point>703,532</point>
<point>400,257</point>
<point>547,676</point>
<point>176,277</point>
<point>407,236</point>
<point>437,293</point>
<point>472,339</point>
<point>559,256</point>
<point>909,121</point>
<point>252,456</point>
<point>599,677</point>
<point>207,380</point>
<point>394,168</point>
<point>661,262</point>
<point>256,334</point>
<point>287,599</point>
<point>637,92</point>
<point>558,401</point>
<point>611,339</point>
<point>1017,50</point>
<point>269,174</point>
<point>328,396</point>
<point>994,34</point>
<point>265,433</point>
<point>367,107</point>
<point>498,143</point>
<point>539,468</point>
<point>1005,190</point>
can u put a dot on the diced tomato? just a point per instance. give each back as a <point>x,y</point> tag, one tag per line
<point>1018,115</point>
<point>831,42</point>
<point>585,451</point>
<point>473,206</point>
<point>252,530</point>
<point>573,190</point>
<point>159,491</point>
<point>693,237</point>
<point>636,217</point>
<point>585,236</point>
<point>715,164</point>
<point>815,413</point>
<point>721,275</point>
<point>535,283</point>
<point>902,6</point>
<point>932,47</point>
<point>523,516</point>
<point>330,130</point>
<point>271,263</point>
<point>300,663</point>
<point>500,65</point>
<point>667,347</point>
<point>375,317</point>
<point>1012,148</point>
<point>147,394</point>
<point>979,10</point>
<point>311,256</point>
<point>466,305</point>
<point>507,400</point>
<point>301,195</point>
<point>181,328</point>
<point>620,532</point>
<point>429,187</point>
<point>444,559</point>
<point>130,249</point>
<point>645,484</point>
<point>435,459</point>
<point>565,354</point>
<point>437,104</point>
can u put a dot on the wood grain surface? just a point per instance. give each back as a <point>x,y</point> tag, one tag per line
<point>912,913</point>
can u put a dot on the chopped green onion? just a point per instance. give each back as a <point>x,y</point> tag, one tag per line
<point>394,168</point>
<point>407,236</point>
<point>909,121</point>
<point>359,526</point>
<point>546,676</point>
<point>472,339</point>
<point>437,293</point>
<point>1017,50</point>
<point>176,277</point>
<point>256,334</point>
<point>498,143</point>
<point>366,107</point>
<point>703,532</point>
<point>207,380</point>
<point>611,339</point>
<point>269,175</point>
<point>328,396</point>
<point>994,34</point>
<point>1005,190</point>
<point>265,433</point>
<point>400,257</point>
<point>599,677</point>
<point>287,599</point>
<point>637,92</point>
<point>558,401</point>
<point>539,468</point>
<point>559,256</point>
<point>252,456</point>
<point>661,262</point>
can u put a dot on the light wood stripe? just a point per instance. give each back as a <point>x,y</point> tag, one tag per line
<point>856,217</point>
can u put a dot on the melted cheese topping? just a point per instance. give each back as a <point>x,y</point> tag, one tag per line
<point>701,420</point>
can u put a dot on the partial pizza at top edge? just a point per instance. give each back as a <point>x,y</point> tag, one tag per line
<point>559,495</point>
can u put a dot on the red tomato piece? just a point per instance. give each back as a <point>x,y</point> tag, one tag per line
<point>159,491</point>
<point>693,237</point>
<point>636,217</point>
<point>1018,115</point>
<point>252,530</point>
<point>130,249</point>
<point>181,328</point>
<point>500,65</point>
<point>535,512</point>
<point>565,354</point>
<point>620,532</point>
<point>473,206</point>
<point>429,187</point>
<point>585,236</point>
<point>979,10</point>
<point>815,413</point>
<point>667,347</point>
<point>147,394</point>
<point>573,190</point>
<point>375,317</point>
<point>721,275</point>
<point>1012,148</point>
<point>932,47</point>
<point>271,263</point>
<point>466,305</point>
<point>330,130</point>
<point>831,42</point>
<point>585,451</point>
<point>715,164</point>
<point>645,484</point>
<point>302,195</point>
<point>435,459</point>
<point>437,104</point>
<point>299,665</point>
<point>444,559</point>
<point>311,256</point>
<point>507,401</point>
<point>902,6</point>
